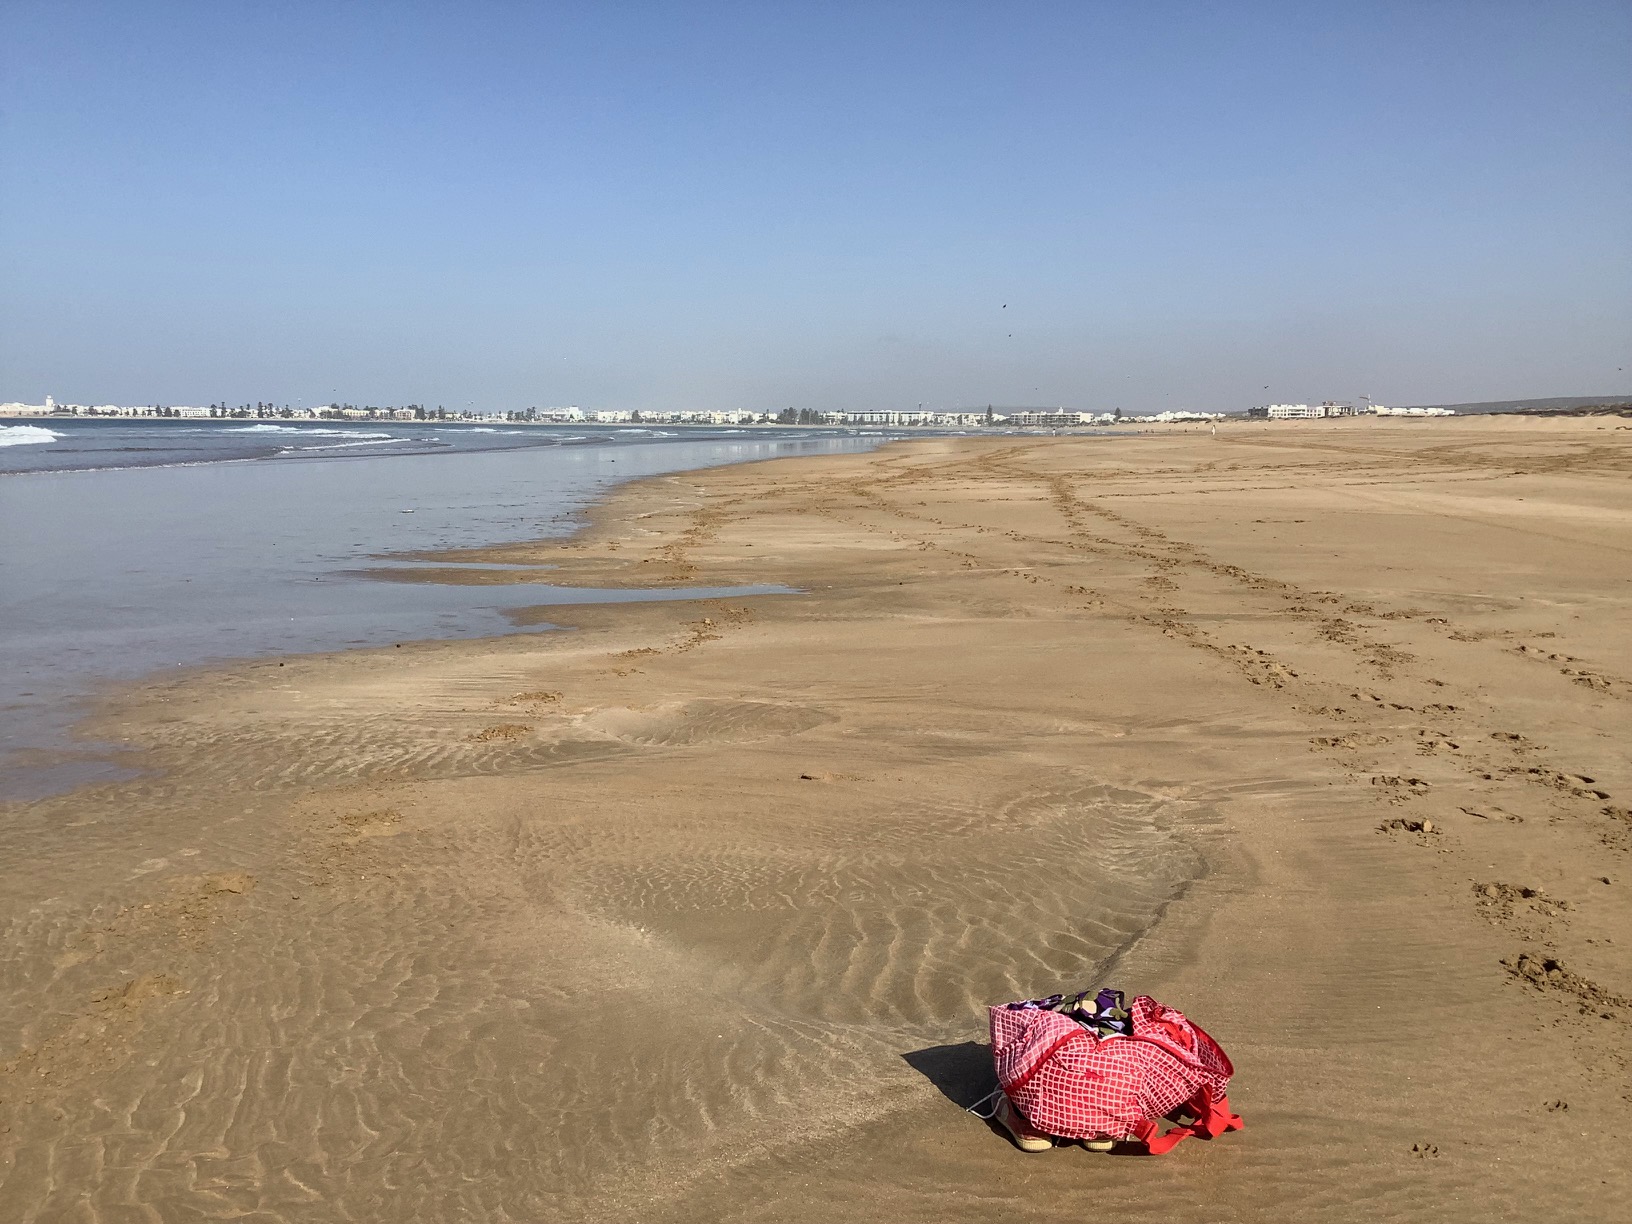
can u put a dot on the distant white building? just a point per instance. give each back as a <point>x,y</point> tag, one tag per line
<point>1056,418</point>
<point>1179,415</point>
<point>1305,412</point>
<point>886,417</point>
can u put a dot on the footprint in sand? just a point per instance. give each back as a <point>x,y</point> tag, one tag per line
<point>1426,828</point>
<point>383,822</point>
<point>500,731</point>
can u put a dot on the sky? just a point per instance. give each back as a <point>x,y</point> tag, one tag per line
<point>814,205</point>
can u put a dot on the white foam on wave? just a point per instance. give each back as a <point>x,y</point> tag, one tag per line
<point>370,441</point>
<point>307,430</point>
<point>26,435</point>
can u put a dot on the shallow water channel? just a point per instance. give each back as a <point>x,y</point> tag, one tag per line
<point>109,575</point>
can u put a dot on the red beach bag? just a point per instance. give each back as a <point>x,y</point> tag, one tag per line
<point>1073,1083</point>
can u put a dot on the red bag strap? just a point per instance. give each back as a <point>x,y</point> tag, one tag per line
<point>1212,1120</point>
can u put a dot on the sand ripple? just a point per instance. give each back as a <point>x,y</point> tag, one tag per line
<point>503,1018</point>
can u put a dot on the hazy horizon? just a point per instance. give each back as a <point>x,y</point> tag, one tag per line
<point>660,206</point>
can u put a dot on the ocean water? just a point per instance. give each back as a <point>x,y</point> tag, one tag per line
<point>86,443</point>
<point>127,547</point>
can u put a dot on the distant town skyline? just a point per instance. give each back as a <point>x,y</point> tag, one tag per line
<point>679,207</point>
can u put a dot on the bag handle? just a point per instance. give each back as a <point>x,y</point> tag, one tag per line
<point>1212,1120</point>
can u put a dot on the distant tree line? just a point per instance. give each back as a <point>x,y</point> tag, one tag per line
<point>244,411</point>
<point>341,412</point>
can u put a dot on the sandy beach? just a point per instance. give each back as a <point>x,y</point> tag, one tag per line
<point>1315,730</point>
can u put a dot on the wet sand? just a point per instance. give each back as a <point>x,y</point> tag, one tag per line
<point>1315,730</point>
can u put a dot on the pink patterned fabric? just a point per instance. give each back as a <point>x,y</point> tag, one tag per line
<point>1075,1084</point>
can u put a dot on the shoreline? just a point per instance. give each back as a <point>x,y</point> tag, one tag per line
<point>1058,695</point>
<point>159,565</point>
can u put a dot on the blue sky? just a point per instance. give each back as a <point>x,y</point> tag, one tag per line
<point>820,205</point>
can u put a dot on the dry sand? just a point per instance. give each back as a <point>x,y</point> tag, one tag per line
<point>1312,730</point>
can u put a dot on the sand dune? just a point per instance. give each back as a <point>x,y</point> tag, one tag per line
<point>1315,731</point>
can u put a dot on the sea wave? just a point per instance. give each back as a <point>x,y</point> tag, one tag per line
<point>370,440</point>
<point>309,431</point>
<point>26,435</point>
